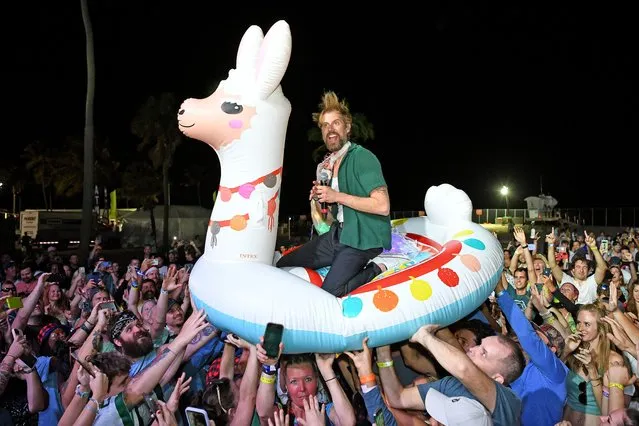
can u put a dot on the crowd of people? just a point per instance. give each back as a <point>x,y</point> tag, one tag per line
<point>103,343</point>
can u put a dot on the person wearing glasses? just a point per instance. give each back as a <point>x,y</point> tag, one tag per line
<point>8,289</point>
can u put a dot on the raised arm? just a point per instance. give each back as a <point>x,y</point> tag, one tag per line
<point>602,267</point>
<point>459,365</point>
<point>397,395</point>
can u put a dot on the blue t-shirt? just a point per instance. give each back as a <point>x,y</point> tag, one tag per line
<point>542,384</point>
<point>49,380</point>
<point>507,405</point>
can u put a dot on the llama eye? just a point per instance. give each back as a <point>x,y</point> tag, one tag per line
<point>232,108</point>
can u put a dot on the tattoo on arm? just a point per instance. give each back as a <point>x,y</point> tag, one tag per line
<point>157,359</point>
<point>209,330</point>
<point>197,338</point>
<point>382,189</point>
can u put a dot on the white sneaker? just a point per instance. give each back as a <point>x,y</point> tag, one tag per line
<point>391,261</point>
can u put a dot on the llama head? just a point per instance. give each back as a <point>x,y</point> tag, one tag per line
<point>250,103</point>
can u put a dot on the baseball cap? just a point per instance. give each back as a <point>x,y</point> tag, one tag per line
<point>553,336</point>
<point>456,410</point>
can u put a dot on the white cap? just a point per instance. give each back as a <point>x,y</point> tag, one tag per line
<point>456,410</point>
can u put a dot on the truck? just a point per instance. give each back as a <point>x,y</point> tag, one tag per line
<point>61,228</point>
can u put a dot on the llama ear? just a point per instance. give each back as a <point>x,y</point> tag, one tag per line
<point>273,59</point>
<point>248,51</point>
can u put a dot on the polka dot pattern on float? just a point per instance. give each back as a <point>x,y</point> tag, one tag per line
<point>385,299</point>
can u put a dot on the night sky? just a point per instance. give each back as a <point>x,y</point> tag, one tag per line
<point>476,96</point>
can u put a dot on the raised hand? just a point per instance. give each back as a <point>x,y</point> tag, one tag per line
<point>572,342</point>
<point>192,326</point>
<point>279,419</point>
<point>584,356</point>
<point>182,386</point>
<point>362,359</point>
<point>261,353</point>
<point>324,361</point>
<point>314,415</point>
<point>99,384</point>
<point>164,416</point>
<point>237,341</point>
<point>520,235</point>
<point>618,335</point>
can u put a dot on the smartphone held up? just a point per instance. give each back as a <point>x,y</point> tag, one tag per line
<point>272,339</point>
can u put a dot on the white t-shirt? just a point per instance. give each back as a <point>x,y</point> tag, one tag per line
<point>587,289</point>
<point>340,209</point>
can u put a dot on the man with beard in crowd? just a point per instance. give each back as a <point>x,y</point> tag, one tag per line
<point>132,339</point>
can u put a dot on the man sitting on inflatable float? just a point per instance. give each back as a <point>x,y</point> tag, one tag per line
<point>453,270</point>
<point>350,179</point>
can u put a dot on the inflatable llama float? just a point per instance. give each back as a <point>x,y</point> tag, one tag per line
<point>456,264</point>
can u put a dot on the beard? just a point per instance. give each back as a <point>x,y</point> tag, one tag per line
<point>148,295</point>
<point>142,345</point>
<point>334,145</point>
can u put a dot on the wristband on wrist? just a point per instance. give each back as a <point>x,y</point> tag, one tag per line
<point>551,244</point>
<point>269,369</point>
<point>163,291</point>
<point>367,378</point>
<point>267,379</point>
<point>500,293</point>
<point>616,385</point>
<point>84,395</point>
<point>97,405</point>
<point>384,364</point>
<point>367,389</point>
<point>134,284</point>
<point>332,378</point>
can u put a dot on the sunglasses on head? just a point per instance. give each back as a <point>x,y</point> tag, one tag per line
<point>583,399</point>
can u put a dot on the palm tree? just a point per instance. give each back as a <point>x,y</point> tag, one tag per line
<point>361,131</point>
<point>142,189</point>
<point>69,172</point>
<point>87,189</point>
<point>156,124</point>
<point>39,161</point>
<point>194,176</point>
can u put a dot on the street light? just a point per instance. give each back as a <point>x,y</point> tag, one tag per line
<point>504,191</point>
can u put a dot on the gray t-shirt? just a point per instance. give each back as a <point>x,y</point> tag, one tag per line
<point>507,405</point>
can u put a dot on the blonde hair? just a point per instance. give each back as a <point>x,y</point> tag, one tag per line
<point>330,102</point>
<point>604,346</point>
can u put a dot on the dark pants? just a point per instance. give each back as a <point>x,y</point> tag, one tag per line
<point>350,267</point>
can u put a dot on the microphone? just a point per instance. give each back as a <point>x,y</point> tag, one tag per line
<point>324,181</point>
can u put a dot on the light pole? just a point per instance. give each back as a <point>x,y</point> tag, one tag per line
<point>504,192</point>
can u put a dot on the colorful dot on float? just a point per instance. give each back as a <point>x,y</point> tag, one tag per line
<point>471,262</point>
<point>352,306</point>
<point>420,289</point>
<point>385,300</point>
<point>238,223</point>
<point>448,277</point>
<point>463,233</point>
<point>475,243</point>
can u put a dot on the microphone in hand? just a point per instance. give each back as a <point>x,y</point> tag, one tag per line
<point>324,181</point>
